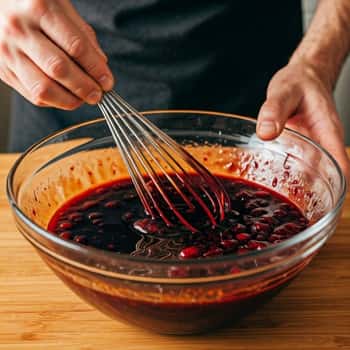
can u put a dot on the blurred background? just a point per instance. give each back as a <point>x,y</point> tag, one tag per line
<point>341,93</point>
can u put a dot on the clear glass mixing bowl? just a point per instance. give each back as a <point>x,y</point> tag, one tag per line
<point>189,296</point>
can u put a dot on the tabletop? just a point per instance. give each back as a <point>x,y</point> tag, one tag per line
<point>37,311</point>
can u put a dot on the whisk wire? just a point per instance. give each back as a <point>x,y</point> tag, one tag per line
<point>151,172</point>
<point>184,182</point>
<point>143,147</point>
<point>161,151</point>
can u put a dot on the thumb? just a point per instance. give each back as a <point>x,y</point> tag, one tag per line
<point>274,113</point>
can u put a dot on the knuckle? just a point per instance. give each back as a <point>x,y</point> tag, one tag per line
<point>82,92</point>
<point>4,49</point>
<point>40,92</point>
<point>94,68</point>
<point>11,25</point>
<point>76,47</point>
<point>37,7</point>
<point>56,67</point>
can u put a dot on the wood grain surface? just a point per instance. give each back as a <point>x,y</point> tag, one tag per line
<point>37,311</point>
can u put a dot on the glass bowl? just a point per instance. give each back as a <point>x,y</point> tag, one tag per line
<point>180,297</point>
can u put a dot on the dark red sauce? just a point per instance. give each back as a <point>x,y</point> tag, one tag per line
<point>112,218</point>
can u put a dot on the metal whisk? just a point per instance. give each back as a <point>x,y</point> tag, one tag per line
<point>171,184</point>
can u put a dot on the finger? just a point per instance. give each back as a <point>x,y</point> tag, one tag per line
<point>68,36</point>
<point>10,78</point>
<point>281,103</point>
<point>42,90</point>
<point>85,27</point>
<point>59,67</point>
<point>334,144</point>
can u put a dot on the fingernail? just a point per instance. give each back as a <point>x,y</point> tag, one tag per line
<point>106,82</point>
<point>94,97</point>
<point>267,128</point>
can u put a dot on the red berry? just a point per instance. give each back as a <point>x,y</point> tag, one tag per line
<point>112,204</point>
<point>213,252</point>
<point>239,228</point>
<point>65,225</point>
<point>82,239</point>
<point>95,215</point>
<point>189,253</point>
<point>67,235</point>
<point>256,245</point>
<point>229,244</point>
<point>76,217</point>
<point>243,236</point>
<point>260,227</point>
<point>262,194</point>
<point>258,212</point>
<point>89,204</point>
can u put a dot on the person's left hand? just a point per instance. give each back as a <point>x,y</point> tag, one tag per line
<point>300,98</point>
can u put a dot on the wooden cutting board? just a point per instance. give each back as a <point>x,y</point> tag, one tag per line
<point>37,311</point>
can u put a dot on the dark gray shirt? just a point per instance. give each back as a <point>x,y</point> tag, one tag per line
<point>202,54</point>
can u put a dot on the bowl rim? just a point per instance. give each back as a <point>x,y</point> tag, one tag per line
<point>93,252</point>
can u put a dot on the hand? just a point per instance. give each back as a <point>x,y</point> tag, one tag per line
<point>50,55</point>
<point>300,98</point>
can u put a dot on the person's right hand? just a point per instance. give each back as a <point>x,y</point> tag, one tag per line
<point>50,55</point>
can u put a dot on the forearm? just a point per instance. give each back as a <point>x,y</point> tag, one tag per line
<point>327,41</point>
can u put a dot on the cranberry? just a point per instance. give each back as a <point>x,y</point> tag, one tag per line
<point>101,190</point>
<point>89,204</point>
<point>243,195</point>
<point>258,212</point>
<point>285,206</point>
<point>229,244</point>
<point>149,226</point>
<point>112,204</point>
<point>95,215</point>
<point>260,227</point>
<point>280,213</point>
<point>266,219</point>
<point>256,203</point>
<point>262,194</point>
<point>190,253</point>
<point>239,228</point>
<point>275,237</point>
<point>97,222</point>
<point>67,235</point>
<point>287,229</point>
<point>65,225</point>
<point>256,245</point>
<point>82,239</point>
<point>76,217</point>
<point>243,236</point>
<point>213,252</point>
